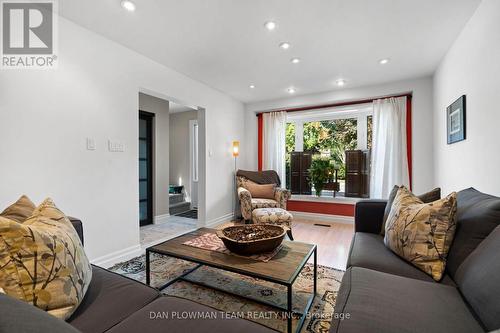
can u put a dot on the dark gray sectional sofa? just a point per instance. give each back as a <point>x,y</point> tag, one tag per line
<point>117,304</point>
<point>382,293</point>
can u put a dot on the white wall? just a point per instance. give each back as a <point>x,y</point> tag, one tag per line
<point>472,68</point>
<point>45,117</point>
<point>161,129</point>
<point>422,107</point>
<point>180,168</point>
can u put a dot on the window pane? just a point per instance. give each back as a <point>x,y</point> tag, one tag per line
<point>143,149</point>
<point>143,210</point>
<point>143,169</point>
<point>331,138</point>
<point>142,128</point>
<point>143,190</point>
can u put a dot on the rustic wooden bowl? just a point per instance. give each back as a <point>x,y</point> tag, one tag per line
<point>253,246</point>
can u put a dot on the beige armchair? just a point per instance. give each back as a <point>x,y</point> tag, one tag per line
<point>248,204</point>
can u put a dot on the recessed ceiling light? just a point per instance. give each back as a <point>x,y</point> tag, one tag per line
<point>128,5</point>
<point>285,45</point>
<point>270,25</point>
<point>384,61</point>
<point>295,60</point>
<point>291,90</point>
<point>340,82</point>
<point>252,86</point>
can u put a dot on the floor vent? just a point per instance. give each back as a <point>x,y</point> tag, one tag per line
<point>322,225</point>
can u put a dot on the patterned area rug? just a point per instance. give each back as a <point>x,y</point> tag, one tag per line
<point>165,268</point>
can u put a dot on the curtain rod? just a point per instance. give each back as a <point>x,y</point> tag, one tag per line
<point>324,106</point>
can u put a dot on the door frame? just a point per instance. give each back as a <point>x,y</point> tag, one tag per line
<point>192,179</point>
<point>149,117</point>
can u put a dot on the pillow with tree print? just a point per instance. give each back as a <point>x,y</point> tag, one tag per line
<point>42,261</point>
<point>422,233</point>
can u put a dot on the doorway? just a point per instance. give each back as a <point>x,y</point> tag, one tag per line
<point>145,168</point>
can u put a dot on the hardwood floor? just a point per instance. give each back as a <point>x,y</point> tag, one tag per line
<point>333,242</point>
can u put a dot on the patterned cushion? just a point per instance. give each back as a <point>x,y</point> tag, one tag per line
<point>20,210</point>
<point>422,233</point>
<point>264,203</point>
<point>43,262</point>
<point>427,197</point>
<point>272,216</point>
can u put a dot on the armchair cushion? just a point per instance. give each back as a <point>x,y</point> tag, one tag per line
<point>264,203</point>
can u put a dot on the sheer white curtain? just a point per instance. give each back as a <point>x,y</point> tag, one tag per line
<point>389,155</point>
<point>273,145</point>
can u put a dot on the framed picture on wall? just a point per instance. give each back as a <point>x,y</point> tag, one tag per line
<point>455,120</point>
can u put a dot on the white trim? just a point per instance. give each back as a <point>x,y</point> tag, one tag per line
<point>193,150</point>
<point>329,219</point>
<point>313,198</point>
<point>109,260</point>
<point>219,220</point>
<point>160,218</point>
<point>338,112</point>
<point>299,135</point>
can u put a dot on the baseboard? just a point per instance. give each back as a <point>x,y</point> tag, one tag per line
<point>222,219</point>
<point>161,218</point>
<point>118,256</point>
<point>323,217</point>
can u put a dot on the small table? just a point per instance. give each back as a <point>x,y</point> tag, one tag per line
<point>283,269</point>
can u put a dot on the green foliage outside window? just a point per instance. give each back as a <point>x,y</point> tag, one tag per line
<point>328,138</point>
<point>321,172</point>
<point>332,137</point>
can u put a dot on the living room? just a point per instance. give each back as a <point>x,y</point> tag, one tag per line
<point>69,119</point>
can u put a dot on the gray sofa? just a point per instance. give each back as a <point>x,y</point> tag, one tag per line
<point>382,293</point>
<point>117,304</point>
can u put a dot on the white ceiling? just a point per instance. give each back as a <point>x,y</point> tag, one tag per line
<point>224,44</point>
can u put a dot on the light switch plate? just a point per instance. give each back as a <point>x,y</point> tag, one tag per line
<point>90,144</point>
<point>115,146</point>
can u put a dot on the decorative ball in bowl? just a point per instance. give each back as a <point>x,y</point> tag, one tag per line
<point>252,239</point>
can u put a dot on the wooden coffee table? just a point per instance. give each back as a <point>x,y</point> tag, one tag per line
<point>283,269</point>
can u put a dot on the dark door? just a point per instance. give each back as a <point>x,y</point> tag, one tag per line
<point>145,168</point>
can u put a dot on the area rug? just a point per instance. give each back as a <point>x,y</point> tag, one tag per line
<point>163,269</point>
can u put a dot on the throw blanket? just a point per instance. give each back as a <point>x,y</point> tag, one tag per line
<point>261,177</point>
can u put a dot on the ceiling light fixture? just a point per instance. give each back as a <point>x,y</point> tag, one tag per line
<point>384,61</point>
<point>128,5</point>
<point>285,45</point>
<point>291,90</point>
<point>252,86</point>
<point>270,25</point>
<point>340,82</point>
<point>295,60</point>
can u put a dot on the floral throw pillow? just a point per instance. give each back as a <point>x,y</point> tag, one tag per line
<point>422,233</point>
<point>42,261</point>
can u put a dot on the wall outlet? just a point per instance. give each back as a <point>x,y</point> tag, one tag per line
<point>90,144</point>
<point>116,147</point>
